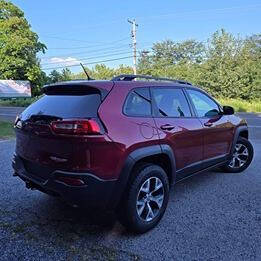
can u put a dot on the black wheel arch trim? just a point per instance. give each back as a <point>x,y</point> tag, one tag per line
<point>166,149</point>
<point>131,160</point>
<point>238,130</point>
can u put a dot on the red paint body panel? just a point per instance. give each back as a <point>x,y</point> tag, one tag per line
<point>218,136</point>
<point>104,155</point>
<point>127,133</point>
<point>186,139</point>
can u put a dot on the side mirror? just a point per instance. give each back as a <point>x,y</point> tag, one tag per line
<point>228,110</point>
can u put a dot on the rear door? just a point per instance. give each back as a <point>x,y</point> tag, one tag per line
<point>179,128</point>
<point>217,130</point>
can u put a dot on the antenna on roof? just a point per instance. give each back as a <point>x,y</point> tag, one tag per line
<point>88,77</point>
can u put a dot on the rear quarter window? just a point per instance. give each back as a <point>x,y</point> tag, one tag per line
<point>138,103</point>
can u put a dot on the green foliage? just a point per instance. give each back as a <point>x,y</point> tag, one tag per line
<point>226,67</point>
<point>230,68</point>
<point>55,76</point>
<point>18,102</point>
<point>241,105</point>
<point>18,47</point>
<point>6,130</point>
<point>172,53</point>
<point>103,72</point>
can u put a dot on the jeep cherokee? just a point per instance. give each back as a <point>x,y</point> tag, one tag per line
<point>120,144</point>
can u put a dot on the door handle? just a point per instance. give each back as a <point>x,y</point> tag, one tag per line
<point>167,127</point>
<point>208,124</point>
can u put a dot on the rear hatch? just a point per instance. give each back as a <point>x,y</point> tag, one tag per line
<point>53,132</point>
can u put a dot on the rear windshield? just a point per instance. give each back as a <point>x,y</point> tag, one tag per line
<point>65,106</point>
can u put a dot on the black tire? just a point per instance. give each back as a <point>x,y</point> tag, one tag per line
<point>128,213</point>
<point>248,159</point>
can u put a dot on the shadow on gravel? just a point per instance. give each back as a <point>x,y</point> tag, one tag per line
<point>57,215</point>
<point>47,223</point>
<point>83,220</point>
<point>82,234</point>
<point>48,217</point>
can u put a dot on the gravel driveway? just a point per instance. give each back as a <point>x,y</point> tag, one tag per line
<point>212,216</point>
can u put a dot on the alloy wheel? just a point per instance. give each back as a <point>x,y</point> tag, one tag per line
<point>240,156</point>
<point>150,199</point>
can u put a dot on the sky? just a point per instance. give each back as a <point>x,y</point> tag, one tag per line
<point>94,31</point>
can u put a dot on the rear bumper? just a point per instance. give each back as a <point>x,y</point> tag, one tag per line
<point>94,193</point>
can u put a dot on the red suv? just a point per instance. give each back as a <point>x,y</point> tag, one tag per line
<point>120,144</point>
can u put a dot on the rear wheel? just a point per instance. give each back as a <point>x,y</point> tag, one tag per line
<point>146,199</point>
<point>242,156</point>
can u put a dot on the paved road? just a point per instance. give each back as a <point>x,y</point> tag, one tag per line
<point>9,113</point>
<point>212,216</point>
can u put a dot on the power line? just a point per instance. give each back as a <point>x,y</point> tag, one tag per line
<point>85,47</point>
<point>200,11</point>
<point>92,51</point>
<point>98,51</point>
<point>88,27</point>
<point>93,57</point>
<point>244,8</point>
<point>85,54</point>
<point>103,61</point>
<point>69,39</point>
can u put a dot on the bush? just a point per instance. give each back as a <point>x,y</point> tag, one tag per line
<point>18,102</point>
<point>242,105</point>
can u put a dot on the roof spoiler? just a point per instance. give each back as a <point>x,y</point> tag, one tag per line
<point>72,88</point>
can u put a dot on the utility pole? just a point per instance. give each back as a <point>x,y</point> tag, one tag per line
<point>134,44</point>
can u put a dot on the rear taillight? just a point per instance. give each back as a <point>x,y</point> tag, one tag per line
<point>75,127</point>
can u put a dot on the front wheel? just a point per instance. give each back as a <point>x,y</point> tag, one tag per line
<point>242,156</point>
<point>146,199</point>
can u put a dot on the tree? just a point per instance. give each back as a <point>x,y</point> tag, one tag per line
<point>55,76</point>
<point>254,43</point>
<point>18,47</point>
<point>227,66</point>
<point>101,71</point>
<point>123,70</point>
<point>66,75</point>
<point>169,52</point>
<point>230,69</point>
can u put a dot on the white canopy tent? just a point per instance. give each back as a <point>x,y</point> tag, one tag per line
<point>14,89</point>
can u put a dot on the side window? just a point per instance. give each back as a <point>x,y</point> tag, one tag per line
<point>138,103</point>
<point>171,102</point>
<point>204,106</point>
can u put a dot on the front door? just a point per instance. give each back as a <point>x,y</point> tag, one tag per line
<point>178,128</point>
<point>218,132</point>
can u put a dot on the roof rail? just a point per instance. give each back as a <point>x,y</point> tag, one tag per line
<point>131,77</point>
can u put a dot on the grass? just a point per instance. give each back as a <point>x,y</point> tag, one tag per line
<point>6,130</point>
<point>18,102</point>
<point>242,105</point>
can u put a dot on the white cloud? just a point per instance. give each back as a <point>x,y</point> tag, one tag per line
<point>66,61</point>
